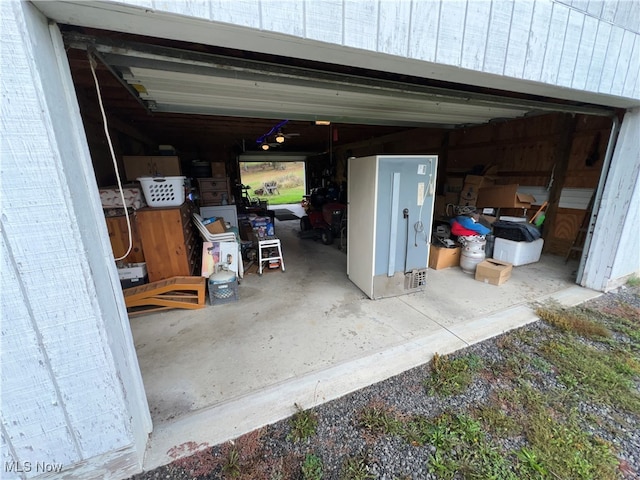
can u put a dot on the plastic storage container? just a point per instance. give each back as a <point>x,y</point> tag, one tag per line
<point>223,288</point>
<point>163,191</point>
<point>517,253</point>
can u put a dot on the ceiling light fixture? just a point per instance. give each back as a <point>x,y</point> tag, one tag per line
<point>263,139</point>
<point>323,122</point>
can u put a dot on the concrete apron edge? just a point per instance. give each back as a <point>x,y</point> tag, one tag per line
<point>226,421</point>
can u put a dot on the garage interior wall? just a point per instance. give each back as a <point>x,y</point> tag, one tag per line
<point>71,386</point>
<point>524,151</point>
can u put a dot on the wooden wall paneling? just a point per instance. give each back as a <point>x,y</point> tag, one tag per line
<point>443,160</point>
<point>565,229</point>
<point>589,123</point>
<point>532,179</point>
<point>561,161</point>
<point>464,159</point>
<point>567,223</point>
<point>471,135</point>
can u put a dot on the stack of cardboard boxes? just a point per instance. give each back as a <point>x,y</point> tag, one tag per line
<point>483,193</point>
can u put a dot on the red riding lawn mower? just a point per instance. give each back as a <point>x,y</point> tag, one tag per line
<point>323,219</point>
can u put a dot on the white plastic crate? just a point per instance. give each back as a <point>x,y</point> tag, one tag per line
<point>163,191</point>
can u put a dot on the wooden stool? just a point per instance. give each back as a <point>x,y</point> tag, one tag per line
<point>265,244</point>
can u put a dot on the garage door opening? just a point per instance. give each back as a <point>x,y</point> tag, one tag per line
<point>288,327</point>
<point>273,182</point>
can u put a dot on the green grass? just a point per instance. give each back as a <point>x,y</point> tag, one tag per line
<point>356,467</point>
<point>462,448</point>
<point>573,320</point>
<point>558,445</point>
<point>231,466</point>
<point>554,439</point>
<point>604,375</point>
<point>594,374</point>
<point>451,377</point>
<point>303,424</point>
<point>289,175</point>
<point>312,468</point>
<point>378,419</point>
<point>634,281</point>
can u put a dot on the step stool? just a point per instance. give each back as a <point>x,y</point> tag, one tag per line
<point>264,245</point>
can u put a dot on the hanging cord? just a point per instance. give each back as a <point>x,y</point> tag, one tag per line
<point>405,214</point>
<point>92,63</point>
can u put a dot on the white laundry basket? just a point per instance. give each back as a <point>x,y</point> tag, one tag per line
<point>163,191</point>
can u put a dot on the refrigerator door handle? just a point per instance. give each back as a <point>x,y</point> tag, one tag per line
<point>393,231</point>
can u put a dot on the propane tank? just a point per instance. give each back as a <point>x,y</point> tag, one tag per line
<point>472,252</point>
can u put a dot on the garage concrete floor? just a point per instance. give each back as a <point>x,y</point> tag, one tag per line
<point>309,335</point>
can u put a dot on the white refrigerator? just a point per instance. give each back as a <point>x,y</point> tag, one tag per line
<point>390,214</point>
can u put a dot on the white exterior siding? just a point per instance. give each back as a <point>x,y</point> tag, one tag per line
<point>518,36</point>
<point>424,32</point>
<point>360,18</point>
<point>538,36</point>
<point>475,40</point>
<point>63,393</point>
<point>547,35</point>
<point>585,52</point>
<point>615,247</point>
<point>323,21</point>
<point>245,13</point>
<point>570,48</point>
<point>450,32</point>
<point>394,19</point>
<point>289,18</point>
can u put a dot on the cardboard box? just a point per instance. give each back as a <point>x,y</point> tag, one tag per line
<point>493,271</point>
<point>504,196</point>
<point>144,166</point>
<point>451,198</point>
<point>133,271</point>
<point>442,257</point>
<point>471,188</point>
<point>246,231</point>
<point>217,226</point>
<point>218,169</point>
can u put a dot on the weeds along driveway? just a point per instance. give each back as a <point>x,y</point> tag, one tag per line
<point>557,399</point>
